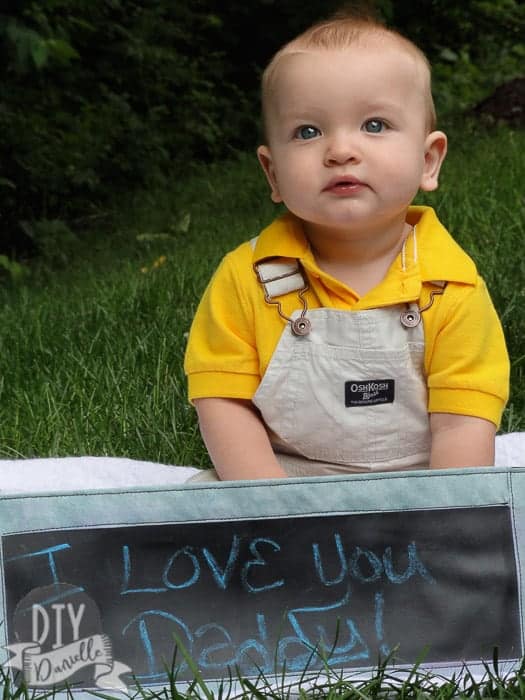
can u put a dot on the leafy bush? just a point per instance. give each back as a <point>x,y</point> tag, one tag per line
<point>104,96</point>
<point>100,97</point>
<point>473,46</point>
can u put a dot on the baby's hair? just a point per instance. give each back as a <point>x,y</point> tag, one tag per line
<point>343,29</point>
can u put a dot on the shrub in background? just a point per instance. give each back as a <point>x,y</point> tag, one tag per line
<point>100,97</point>
<point>103,96</point>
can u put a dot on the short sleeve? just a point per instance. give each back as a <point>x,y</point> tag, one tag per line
<point>468,365</point>
<point>221,358</point>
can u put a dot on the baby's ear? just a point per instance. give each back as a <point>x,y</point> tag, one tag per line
<point>435,152</point>
<point>265,159</point>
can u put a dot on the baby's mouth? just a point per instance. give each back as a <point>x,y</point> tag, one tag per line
<point>344,184</point>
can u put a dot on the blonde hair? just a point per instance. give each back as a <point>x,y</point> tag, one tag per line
<point>341,31</point>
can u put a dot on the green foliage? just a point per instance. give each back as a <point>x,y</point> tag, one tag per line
<point>31,49</point>
<point>53,239</point>
<point>101,97</point>
<point>473,46</point>
<point>12,270</point>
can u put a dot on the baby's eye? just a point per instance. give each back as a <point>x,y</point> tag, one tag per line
<point>374,126</point>
<point>307,132</point>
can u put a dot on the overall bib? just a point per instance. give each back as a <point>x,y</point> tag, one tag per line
<point>349,396</point>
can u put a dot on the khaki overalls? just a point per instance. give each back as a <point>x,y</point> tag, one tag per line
<point>344,391</point>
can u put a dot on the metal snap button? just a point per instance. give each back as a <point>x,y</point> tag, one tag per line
<point>301,326</point>
<point>410,318</point>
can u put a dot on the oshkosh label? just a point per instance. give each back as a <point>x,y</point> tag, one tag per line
<point>369,392</point>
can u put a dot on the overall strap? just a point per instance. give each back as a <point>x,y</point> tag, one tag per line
<point>279,276</point>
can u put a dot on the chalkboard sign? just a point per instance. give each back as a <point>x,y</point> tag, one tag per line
<point>337,572</point>
<point>261,594</point>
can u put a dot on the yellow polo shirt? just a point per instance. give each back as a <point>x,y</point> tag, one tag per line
<point>235,332</point>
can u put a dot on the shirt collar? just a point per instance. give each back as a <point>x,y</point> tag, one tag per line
<point>439,256</point>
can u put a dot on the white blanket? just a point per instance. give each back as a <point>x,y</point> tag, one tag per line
<point>86,473</point>
<point>510,450</point>
<point>74,473</point>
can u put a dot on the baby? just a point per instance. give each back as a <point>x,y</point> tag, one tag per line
<point>353,334</point>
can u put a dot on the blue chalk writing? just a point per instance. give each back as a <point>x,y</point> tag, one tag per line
<point>297,661</point>
<point>259,561</point>
<point>343,571</point>
<point>371,559</point>
<point>156,667</point>
<point>188,552</point>
<point>253,656</point>
<point>55,580</point>
<point>261,626</point>
<point>415,566</point>
<point>205,657</point>
<point>223,635</point>
<point>59,596</point>
<point>49,551</point>
<point>321,635</point>
<point>124,589</point>
<point>222,577</point>
<point>313,635</point>
<point>379,604</point>
<point>365,566</point>
<point>326,644</point>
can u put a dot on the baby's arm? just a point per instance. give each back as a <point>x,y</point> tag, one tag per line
<point>236,439</point>
<point>461,441</point>
<point>467,377</point>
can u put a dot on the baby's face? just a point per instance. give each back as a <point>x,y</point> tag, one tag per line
<point>348,135</point>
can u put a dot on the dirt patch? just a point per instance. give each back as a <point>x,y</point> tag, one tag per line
<point>506,104</point>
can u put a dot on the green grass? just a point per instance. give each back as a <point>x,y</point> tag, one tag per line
<point>481,200</point>
<point>382,683</point>
<point>91,352</point>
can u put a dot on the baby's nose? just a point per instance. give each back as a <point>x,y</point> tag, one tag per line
<point>341,148</point>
